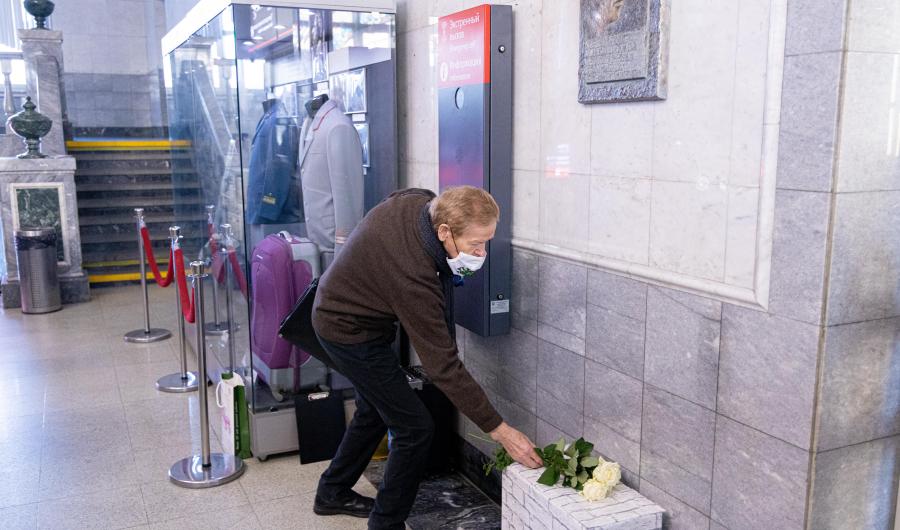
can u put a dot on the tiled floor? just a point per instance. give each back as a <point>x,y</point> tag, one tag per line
<point>86,441</point>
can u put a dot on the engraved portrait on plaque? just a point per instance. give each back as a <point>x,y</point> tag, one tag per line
<point>624,50</point>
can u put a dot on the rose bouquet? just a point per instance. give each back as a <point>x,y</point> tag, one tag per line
<point>593,476</point>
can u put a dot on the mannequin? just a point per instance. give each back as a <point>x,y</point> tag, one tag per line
<point>331,170</point>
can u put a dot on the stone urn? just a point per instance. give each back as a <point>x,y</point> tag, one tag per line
<point>30,125</point>
<point>40,10</point>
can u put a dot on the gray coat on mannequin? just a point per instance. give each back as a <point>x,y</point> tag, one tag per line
<point>331,176</point>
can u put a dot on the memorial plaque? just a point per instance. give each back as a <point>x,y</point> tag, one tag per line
<point>624,50</point>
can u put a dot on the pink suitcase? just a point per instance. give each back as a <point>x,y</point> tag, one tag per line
<point>281,268</point>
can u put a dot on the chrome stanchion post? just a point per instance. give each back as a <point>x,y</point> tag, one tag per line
<point>228,243</point>
<point>147,334</point>
<point>204,470</point>
<point>183,381</point>
<point>216,327</point>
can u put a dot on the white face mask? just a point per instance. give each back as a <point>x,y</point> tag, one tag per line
<point>465,264</point>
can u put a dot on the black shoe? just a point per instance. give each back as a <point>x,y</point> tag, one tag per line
<point>352,504</point>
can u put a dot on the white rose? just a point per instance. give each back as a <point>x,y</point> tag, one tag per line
<point>608,473</point>
<point>594,490</point>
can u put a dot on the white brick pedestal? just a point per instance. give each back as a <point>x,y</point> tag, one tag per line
<point>528,505</point>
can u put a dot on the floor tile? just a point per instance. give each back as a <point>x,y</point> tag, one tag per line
<point>295,512</point>
<point>279,477</point>
<point>238,518</point>
<point>112,509</point>
<point>166,501</point>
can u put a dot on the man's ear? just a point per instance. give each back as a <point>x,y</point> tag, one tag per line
<point>443,232</point>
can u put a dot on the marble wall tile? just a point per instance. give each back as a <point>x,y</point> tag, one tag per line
<point>565,123</point>
<point>561,338</point>
<point>562,295</point>
<point>128,17</point>
<point>613,199</point>
<point>694,124</point>
<point>564,199</point>
<point>621,140</point>
<point>865,258</point>
<point>565,415</point>
<point>678,516</point>
<point>682,350</point>
<point>873,26</point>
<point>856,487</point>
<point>561,373</point>
<point>748,110</point>
<point>548,433</point>
<point>613,446</point>
<point>414,14</point>
<point>516,416</point>
<point>419,175</point>
<point>526,212</point>
<point>517,356</point>
<point>740,253</point>
<point>798,255</point>
<point>809,112</point>
<point>613,399</point>
<point>767,373</point>
<point>869,157</point>
<point>622,295</point>
<point>815,26</point>
<point>677,439</point>
<point>524,303</point>
<point>418,111</point>
<point>860,390</point>
<point>527,24</point>
<point>616,341</point>
<point>759,482</point>
<point>688,228</point>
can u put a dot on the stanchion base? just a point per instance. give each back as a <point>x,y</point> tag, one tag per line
<point>212,329</point>
<point>142,337</point>
<point>190,473</point>
<point>176,383</point>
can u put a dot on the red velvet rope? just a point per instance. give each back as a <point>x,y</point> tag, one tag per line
<point>187,300</point>
<point>151,259</point>
<point>238,272</point>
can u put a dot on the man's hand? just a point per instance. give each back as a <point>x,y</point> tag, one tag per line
<point>517,445</point>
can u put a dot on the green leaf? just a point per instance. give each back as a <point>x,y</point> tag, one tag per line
<point>549,477</point>
<point>573,464</point>
<point>590,461</point>
<point>583,477</point>
<point>584,447</point>
<point>571,451</point>
<point>561,445</point>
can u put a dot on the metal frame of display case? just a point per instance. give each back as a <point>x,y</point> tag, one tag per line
<point>273,430</point>
<point>206,10</point>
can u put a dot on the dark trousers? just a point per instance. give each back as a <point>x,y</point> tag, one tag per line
<point>384,400</point>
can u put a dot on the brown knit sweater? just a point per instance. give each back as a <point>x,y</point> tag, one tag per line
<point>383,275</point>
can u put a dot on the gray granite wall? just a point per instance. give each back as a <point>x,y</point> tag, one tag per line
<point>114,100</point>
<point>113,62</point>
<point>732,417</point>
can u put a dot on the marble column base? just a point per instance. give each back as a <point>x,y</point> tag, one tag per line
<point>74,289</point>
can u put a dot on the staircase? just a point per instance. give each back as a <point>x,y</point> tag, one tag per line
<point>112,178</point>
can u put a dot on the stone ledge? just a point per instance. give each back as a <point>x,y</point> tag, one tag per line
<point>528,505</point>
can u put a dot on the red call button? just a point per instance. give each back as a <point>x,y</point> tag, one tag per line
<point>464,47</point>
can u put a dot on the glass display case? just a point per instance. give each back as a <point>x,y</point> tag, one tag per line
<point>287,115</point>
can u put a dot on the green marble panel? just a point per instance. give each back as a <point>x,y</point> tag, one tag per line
<point>40,208</point>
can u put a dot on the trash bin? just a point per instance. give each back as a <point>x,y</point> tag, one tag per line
<point>38,280</point>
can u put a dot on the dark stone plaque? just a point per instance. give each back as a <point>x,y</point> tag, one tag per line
<point>624,50</point>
